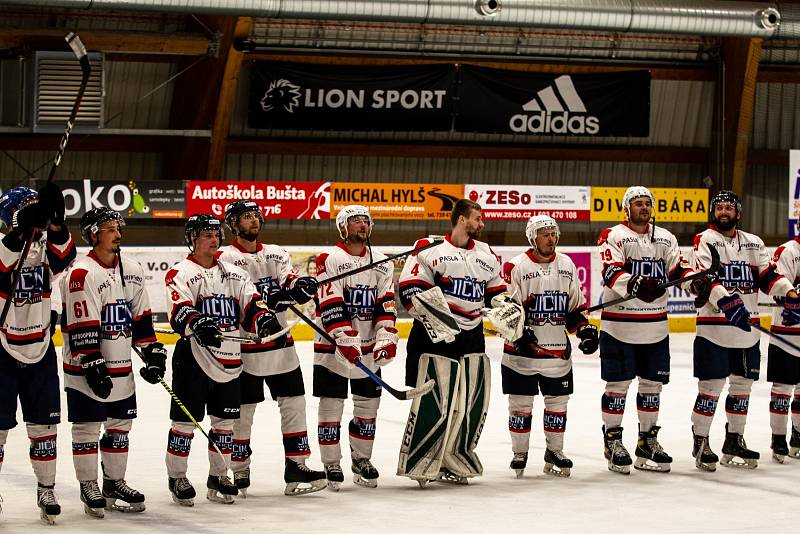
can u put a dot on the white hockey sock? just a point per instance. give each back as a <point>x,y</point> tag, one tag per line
<point>293,427</point>
<point>779,401</point>
<point>520,408</point>
<point>555,421</point>
<point>705,404</point>
<point>84,450</point>
<point>329,429</point>
<point>179,444</point>
<point>613,403</point>
<point>114,448</point>
<point>648,402</point>
<point>737,402</point>
<point>362,426</point>
<point>3,438</point>
<point>796,408</point>
<point>242,429</point>
<point>222,436</point>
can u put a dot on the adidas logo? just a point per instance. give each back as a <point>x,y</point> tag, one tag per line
<point>556,109</point>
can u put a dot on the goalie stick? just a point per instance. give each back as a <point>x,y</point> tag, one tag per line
<point>384,260</point>
<point>407,394</point>
<point>79,50</point>
<point>712,270</point>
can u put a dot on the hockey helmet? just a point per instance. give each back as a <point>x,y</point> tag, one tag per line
<point>236,209</point>
<point>634,192</point>
<point>725,196</point>
<point>353,210</point>
<point>92,219</point>
<point>14,199</point>
<point>540,222</point>
<point>200,222</point>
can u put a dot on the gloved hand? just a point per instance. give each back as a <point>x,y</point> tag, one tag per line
<point>385,345</point>
<point>206,331</point>
<point>735,311</point>
<point>155,362</point>
<point>590,340</point>
<point>645,289</point>
<point>791,311</point>
<point>528,342</point>
<point>701,289</point>
<point>51,200</point>
<point>267,324</point>
<point>29,217</point>
<point>303,289</point>
<point>348,345</point>
<point>279,301</point>
<point>96,373</point>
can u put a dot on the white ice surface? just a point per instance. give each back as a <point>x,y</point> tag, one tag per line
<point>592,500</point>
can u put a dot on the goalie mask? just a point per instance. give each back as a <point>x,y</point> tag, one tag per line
<point>235,210</point>
<point>631,194</point>
<point>94,218</point>
<point>540,222</point>
<point>200,222</point>
<point>731,198</point>
<point>347,213</point>
<point>14,199</point>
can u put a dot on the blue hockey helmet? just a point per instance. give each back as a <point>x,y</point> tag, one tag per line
<point>14,199</point>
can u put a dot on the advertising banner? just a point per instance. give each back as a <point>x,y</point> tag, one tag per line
<point>520,202</point>
<point>278,200</point>
<point>672,205</point>
<point>397,201</point>
<point>794,191</point>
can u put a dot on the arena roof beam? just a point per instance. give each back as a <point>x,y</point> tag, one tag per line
<point>108,41</point>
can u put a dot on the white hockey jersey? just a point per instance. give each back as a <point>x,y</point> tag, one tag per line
<point>224,292</point>
<point>270,268</point>
<point>745,267</point>
<point>624,253</point>
<point>787,263</point>
<point>550,293</point>
<point>469,277</point>
<point>26,334</point>
<point>364,302</point>
<point>100,314</point>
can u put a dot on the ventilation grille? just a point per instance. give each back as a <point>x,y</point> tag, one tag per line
<point>58,78</point>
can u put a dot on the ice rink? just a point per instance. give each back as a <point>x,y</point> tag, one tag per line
<point>592,500</point>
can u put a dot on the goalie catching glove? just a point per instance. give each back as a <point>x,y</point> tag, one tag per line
<point>507,317</point>
<point>385,345</point>
<point>431,310</point>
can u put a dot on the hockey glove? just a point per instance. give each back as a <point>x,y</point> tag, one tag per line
<point>701,288</point>
<point>279,301</point>
<point>155,362</point>
<point>348,345</point>
<point>527,342</point>
<point>267,324</point>
<point>51,200</point>
<point>791,311</point>
<point>735,311</point>
<point>206,331</point>
<point>386,345</point>
<point>645,289</point>
<point>303,289</point>
<point>96,373</point>
<point>29,217</point>
<point>587,333</point>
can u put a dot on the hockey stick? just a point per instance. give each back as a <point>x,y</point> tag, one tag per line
<point>246,338</point>
<point>407,394</point>
<point>376,263</point>
<point>539,348</point>
<point>774,335</point>
<point>712,270</point>
<point>79,50</point>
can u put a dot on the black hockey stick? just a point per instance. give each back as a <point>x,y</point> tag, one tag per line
<point>397,394</point>
<point>376,263</point>
<point>775,335</point>
<point>79,50</point>
<point>712,270</point>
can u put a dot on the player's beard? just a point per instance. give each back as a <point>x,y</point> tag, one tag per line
<point>474,234</point>
<point>358,238</point>
<point>640,218</point>
<point>726,225</point>
<point>250,234</point>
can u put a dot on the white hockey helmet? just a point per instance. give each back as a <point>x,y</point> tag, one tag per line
<point>634,192</point>
<point>540,222</point>
<point>353,210</point>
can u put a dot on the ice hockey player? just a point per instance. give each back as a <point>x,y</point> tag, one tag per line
<point>272,362</point>
<point>106,311</point>
<point>445,289</point>
<point>720,351</point>
<point>206,299</point>
<point>783,362</point>
<point>359,313</point>
<point>546,284</point>
<point>634,336</point>
<point>28,362</point>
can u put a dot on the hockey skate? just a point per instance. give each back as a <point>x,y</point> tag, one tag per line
<point>364,473</point>
<point>735,452</point>
<point>118,490</point>
<point>93,500</point>
<point>519,462</point>
<point>297,473</point>
<point>794,443</point>
<point>241,479</point>
<point>619,460</point>
<point>335,476</point>
<point>704,457</point>
<point>46,500</point>
<point>182,491</point>
<point>220,489</point>
<point>650,456</point>
<point>780,449</point>
<point>448,477</point>
<point>556,464</point>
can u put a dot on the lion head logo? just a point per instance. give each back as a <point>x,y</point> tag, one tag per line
<point>281,93</point>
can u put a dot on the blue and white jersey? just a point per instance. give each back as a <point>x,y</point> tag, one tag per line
<point>787,263</point>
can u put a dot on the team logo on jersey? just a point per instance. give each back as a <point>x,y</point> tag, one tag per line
<point>737,275</point>
<point>116,320</point>
<point>550,306</point>
<point>649,268</point>
<point>361,301</point>
<point>267,286</point>
<point>467,288</point>
<point>222,307</point>
<point>31,285</point>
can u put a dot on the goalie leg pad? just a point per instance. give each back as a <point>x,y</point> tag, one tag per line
<point>426,433</point>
